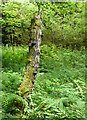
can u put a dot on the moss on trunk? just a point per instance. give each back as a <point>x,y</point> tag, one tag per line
<point>27,83</point>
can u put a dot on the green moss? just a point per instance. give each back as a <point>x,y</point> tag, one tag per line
<point>26,85</point>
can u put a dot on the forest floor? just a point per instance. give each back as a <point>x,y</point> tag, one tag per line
<point>59,89</point>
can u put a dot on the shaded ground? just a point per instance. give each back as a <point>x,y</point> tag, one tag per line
<point>59,87</point>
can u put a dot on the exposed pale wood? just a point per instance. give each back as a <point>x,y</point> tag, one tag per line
<point>33,57</point>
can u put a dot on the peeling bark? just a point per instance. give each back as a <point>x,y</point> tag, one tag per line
<point>33,56</point>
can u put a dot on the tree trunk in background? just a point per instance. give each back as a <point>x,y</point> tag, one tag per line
<point>33,56</point>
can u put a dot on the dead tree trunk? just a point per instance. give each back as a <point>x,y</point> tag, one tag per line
<point>33,56</point>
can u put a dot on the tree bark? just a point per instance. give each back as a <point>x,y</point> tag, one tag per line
<point>33,56</point>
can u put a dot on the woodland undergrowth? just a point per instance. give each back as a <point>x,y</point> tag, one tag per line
<point>59,89</point>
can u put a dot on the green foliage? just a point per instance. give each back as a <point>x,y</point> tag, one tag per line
<point>14,61</point>
<point>14,58</point>
<point>15,22</point>
<point>59,88</point>
<point>63,22</point>
<point>11,81</point>
<point>12,104</point>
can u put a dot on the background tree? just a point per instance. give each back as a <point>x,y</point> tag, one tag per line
<point>63,22</point>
